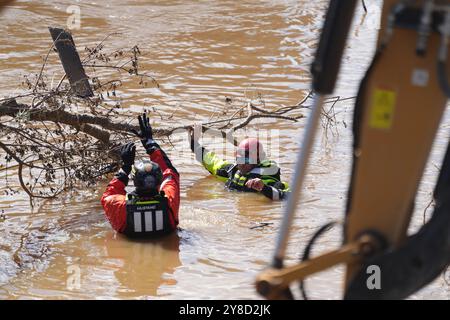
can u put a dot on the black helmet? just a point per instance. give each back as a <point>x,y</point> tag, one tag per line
<point>147,177</point>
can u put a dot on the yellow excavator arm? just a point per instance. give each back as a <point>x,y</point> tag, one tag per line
<point>400,104</point>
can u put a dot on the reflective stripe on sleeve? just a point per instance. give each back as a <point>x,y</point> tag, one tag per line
<point>275,194</point>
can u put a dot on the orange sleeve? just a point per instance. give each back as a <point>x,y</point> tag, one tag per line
<point>114,203</point>
<point>170,184</point>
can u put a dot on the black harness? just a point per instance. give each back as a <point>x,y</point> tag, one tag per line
<point>147,217</point>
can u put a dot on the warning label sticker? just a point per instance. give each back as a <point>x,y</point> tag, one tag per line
<point>382,111</point>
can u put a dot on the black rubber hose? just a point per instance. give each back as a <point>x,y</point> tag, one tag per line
<point>308,248</point>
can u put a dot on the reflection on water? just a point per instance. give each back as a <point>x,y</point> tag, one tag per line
<point>142,264</point>
<point>200,52</point>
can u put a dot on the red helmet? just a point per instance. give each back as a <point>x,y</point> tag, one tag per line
<point>250,151</point>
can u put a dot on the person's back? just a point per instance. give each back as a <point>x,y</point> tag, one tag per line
<point>152,208</point>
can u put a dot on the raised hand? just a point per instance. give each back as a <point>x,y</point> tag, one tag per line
<point>128,154</point>
<point>146,132</point>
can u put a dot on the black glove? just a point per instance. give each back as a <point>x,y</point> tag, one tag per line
<point>128,153</point>
<point>146,134</point>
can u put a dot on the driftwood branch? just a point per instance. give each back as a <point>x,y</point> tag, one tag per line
<point>80,122</point>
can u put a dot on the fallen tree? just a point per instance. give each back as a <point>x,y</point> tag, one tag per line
<point>57,139</point>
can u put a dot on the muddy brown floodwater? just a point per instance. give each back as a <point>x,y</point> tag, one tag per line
<point>200,52</point>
